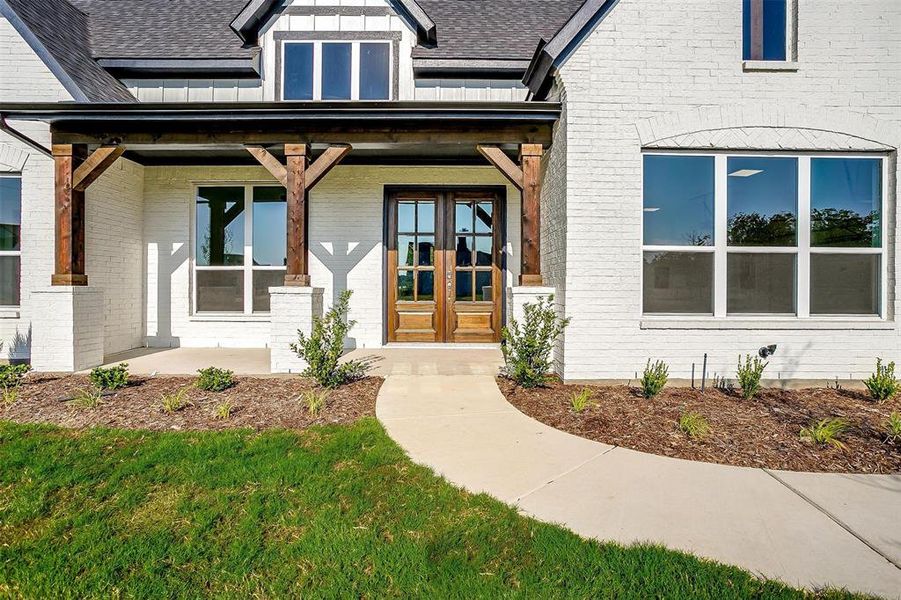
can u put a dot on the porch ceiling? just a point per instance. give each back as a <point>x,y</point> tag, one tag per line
<point>159,133</point>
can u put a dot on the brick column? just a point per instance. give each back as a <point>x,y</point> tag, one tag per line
<point>67,332</point>
<point>292,308</point>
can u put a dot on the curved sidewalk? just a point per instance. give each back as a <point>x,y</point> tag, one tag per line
<point>805,529</point>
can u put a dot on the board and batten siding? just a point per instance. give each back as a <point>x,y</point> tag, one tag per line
<point>654,69</point>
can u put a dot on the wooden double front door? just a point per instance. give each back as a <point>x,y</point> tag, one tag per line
<point>445,261</point>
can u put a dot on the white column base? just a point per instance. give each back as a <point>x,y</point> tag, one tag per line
<point>292,308</point>
<point>519,296</point>
<point>67,329</point>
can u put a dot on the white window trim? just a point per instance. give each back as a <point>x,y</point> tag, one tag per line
<point>12,310</point>
<point>354,66</point>
<point>803,250</point>
<point>248,267</point>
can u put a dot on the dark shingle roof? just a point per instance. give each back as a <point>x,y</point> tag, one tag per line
<point>59,33</point>
<point>493,29</point>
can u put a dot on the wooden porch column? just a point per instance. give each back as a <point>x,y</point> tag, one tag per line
<point>530,157</point>
<point>298,271</point>
<point>70,216</point>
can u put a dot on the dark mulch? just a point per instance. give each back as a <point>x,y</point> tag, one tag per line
<point>257,403</point>
<point>763,432</point>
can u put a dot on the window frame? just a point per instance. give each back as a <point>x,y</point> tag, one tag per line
<point>18,252</point>
<point>248,268</point>
<point>803,250</point>
<point>354,67</point>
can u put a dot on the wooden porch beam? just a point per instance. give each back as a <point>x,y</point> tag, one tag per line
<point>271,163</point>
<point>530,270</point>
<point>502,163</point>
<point>297,272</point>
<point>325,163</point>
<point>69,212</point>
<point>94,166</point>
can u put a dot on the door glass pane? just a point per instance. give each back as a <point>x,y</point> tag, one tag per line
<point>426,222</point>
<point>298,72</point>
<point>220,290</point>
<point>426,290</point>
<point>270,226</point>
<point>761,283</point>
<point>484,289</point>
<point>678,200</point>
<point>763,201</point>
<point>426,245</point>
<point>10,213</point>
<point>406,217</point>
<point>484,212</point>
<point>678,282</point>
<point>405,286</point>
<point>464,286</point>
<point>464,249</point>
<point>9,280</point>
<point>263,279</point>
<point>375,71</point>
<point>845,284</point>
<point>405,246</point>
<point>335,71</point>
<point>220,226</point>
<point>483,251</point>
<point>845,202</point>
<point>463,217</point>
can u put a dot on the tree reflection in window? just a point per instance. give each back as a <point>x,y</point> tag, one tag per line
<point>755,229</point>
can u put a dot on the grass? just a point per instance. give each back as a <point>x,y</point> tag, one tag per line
<point>694,425</point>
<point>335,511</point>
<point>825,431</point>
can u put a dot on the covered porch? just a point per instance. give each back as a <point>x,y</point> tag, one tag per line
<point>339,167</point>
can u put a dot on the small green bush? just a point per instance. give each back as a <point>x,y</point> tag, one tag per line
<point>214,379</point>
<point>581,400</point>
<point>654,378</point>
<point>224,411</point>
<point>315,401</point>
<point>527,346</point>
<point>694,425</point>
<point>174,402</point>
<point>89,398</point>
<point>882,384</point>
<point>323,349</point>
<point>111,378</point>
<point>825,431</point>
<point>11,377</point>
<point>749,375</point>
<point>893,428</point>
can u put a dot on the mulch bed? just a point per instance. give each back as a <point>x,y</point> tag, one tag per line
<point>257,403</point>
<point>762,432</point>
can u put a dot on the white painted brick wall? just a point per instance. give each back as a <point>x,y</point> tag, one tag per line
<point>676,67</point>
<point>346,246</point>
<point>69,335</point>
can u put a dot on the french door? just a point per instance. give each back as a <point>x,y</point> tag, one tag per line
<point>444,275</point>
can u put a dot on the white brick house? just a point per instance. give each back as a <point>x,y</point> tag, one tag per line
<point>716,176</point>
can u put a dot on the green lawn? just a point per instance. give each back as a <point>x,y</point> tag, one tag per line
<point>330,512</point>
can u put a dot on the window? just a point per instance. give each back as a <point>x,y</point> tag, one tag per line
<point>337,70</point>
<point>239,253</point>
<point>763,235</point>
<point>10,239</point>
<point>765,29</point>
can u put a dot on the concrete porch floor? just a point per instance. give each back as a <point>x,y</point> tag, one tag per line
<point>403,360</point>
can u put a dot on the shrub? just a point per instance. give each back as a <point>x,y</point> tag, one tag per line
<point>322,350</point>
<point>214,379</point>
<point>825,431</point>
<point>89,398</point>
<point>110,378</point>
<point>315,401</point>
<point>749,375</point>
<point>175,402</point>
<point>10,378</point>
<point>694,425</point>
<point>527,346</point>
<point>224,411</point>
<point>882,384</point>
<point>581,400</point>
<point>893,428</point>
<point>654,378</point>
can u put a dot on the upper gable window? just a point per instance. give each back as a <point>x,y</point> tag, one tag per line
<point>337,70</point>
<point>765,30</point>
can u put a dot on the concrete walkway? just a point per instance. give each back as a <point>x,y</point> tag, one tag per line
<point>804,529</point>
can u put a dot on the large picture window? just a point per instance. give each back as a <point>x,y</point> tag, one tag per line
<point>743,235</point>
<point>10,239</point>
<point>240,247</point>
<point>326,70</point>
